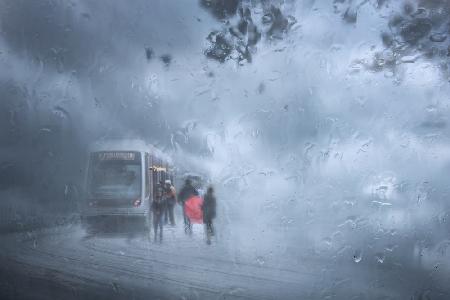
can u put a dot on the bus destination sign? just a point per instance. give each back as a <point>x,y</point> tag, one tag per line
<point>116,155</point>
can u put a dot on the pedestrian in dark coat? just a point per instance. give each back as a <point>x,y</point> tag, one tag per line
<point>158,207</point>
<point>209,213</point>
<point>170,196</point>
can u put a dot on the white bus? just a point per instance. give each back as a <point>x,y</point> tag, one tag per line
<point>121,179</point>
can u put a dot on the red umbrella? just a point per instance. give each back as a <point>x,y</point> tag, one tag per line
<point>193,209</point>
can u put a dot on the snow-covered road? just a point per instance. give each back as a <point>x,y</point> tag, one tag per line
<point>64,263</point>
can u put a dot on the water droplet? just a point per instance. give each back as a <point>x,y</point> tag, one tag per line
<point>409,59</point>
<point>45,129</point>
<point>260,260</point>
<point>357,256</point>
<point>380,257</point>
<point>438,37</point>
<point>115,286</point>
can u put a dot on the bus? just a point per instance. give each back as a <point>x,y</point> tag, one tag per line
<point>121,180</point>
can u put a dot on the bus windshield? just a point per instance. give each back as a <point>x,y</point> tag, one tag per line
<point>115,175</point>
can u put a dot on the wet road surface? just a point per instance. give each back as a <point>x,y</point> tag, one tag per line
<point>66,263</point>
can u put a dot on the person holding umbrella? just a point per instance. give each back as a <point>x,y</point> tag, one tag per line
<point>186,192</point>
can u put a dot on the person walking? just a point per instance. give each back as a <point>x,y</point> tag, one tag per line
<point>157,207</point>
<point>170,195</point>
<point>187,191</point>
<point>209,213</point>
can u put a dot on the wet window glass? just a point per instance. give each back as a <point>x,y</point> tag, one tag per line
<point>225,149</point>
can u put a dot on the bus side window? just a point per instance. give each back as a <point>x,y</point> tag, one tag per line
<point>147,175</point>
<point>154,175</point>
<point>163,173</point>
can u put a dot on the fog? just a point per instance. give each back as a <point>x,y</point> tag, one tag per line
<point>323,126</point>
